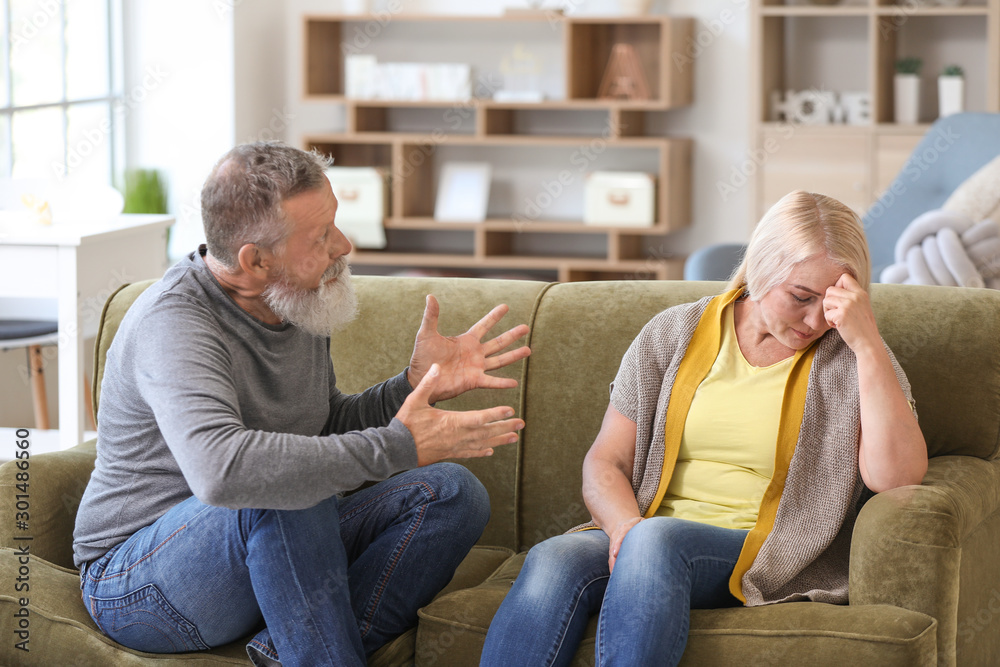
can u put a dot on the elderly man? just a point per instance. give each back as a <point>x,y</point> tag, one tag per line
<point>217,507</point>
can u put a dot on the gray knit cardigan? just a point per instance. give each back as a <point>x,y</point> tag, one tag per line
<point>805,555</point>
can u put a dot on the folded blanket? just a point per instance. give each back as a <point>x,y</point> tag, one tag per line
<point>947,248</point>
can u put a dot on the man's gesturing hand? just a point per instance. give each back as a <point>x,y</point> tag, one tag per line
<point>445,434</point>
<point>464,360</point>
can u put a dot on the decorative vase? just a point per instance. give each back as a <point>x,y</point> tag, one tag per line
<point>907,96</point>
<point>951,95</point>
<point>355,6</point>
<point>633,7</point>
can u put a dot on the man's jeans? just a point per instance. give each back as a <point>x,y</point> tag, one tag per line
<point>665,568</point>
<point>332,583</point>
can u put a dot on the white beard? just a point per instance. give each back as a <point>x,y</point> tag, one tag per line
<point>321,311</point>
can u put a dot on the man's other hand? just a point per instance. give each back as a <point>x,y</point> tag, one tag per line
<point>464,360</point>
<point>445,434</point>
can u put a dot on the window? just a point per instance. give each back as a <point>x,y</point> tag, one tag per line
<point>61,111</point>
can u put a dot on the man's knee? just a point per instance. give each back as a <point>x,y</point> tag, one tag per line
<point>455,483</point>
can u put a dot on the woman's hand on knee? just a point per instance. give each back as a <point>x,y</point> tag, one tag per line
<point>617,536</point>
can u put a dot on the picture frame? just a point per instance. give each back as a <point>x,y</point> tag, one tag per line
<point>463,192</point>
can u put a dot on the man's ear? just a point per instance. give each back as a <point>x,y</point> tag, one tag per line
<point>255,262</point>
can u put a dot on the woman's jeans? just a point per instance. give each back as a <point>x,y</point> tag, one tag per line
<point>332,583</point>
<point>665,568</point>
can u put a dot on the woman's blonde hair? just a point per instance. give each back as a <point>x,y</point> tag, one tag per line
<point>800,225</point>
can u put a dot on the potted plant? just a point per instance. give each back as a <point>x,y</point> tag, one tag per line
<point>145,192</point>
<point>907,90</point>
<point>951,91</point>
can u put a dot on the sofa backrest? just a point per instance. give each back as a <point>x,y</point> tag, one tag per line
<point>581,331</point>
<point>946,339</point>
<point>378,345</point>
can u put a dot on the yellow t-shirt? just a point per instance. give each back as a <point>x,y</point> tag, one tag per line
<point>726,456</point>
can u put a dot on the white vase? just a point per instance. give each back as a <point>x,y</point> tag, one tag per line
<point>951,95</point>
<point>633,7</point>
<point>907,98</point>
<point>355,6</point>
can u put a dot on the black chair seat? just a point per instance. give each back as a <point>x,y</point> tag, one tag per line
<point>14,329</point>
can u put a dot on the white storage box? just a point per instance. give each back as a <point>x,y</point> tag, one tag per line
<point>625,198</point>
<point>362,204</point>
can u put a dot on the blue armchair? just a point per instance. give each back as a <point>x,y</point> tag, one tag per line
<point>953,149</point>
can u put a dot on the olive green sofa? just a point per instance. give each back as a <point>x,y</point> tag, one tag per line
<point>924,579</point>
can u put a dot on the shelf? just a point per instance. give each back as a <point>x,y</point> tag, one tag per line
<point>508,225</point>
<point>885,10</point>
<point>586,47</point>
<point>854,48</point>
<point>492,140</point>
<point>540,153</point>
<point>905,10</point>
<point>567,269</point>
<point>834,10</point>
<point>490,103</point>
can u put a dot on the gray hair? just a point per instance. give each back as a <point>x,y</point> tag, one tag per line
<point>241,201</point>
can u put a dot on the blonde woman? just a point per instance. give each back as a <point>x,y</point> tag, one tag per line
<point>743,434</point>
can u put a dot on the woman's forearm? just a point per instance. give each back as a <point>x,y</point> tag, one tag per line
<point>607,471</point>
<point>608,494</point>
<point>893,452</point>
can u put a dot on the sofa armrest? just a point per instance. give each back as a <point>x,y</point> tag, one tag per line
<point>909,543</point>
<point>56,482</point>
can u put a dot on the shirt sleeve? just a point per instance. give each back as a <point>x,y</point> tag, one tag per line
<point>374,407</point>
<point>193,398</point>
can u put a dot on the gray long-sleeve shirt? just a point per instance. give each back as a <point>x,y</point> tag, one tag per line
<point>200,398</point>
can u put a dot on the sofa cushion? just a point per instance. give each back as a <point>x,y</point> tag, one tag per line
<point>61,629</point>
<point>452,630</point>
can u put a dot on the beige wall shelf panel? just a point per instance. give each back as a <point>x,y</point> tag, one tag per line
<point>829,164</point>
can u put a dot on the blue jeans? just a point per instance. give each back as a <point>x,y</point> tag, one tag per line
<point>326,585</point>
<point>665,568</point>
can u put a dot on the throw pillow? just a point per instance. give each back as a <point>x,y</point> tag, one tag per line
<point>979,196</point>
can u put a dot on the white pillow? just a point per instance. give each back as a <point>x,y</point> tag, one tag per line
<point>979,196</point>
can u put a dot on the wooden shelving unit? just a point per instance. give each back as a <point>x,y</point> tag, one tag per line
<point>576,131</point>
<point>800,47</point>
